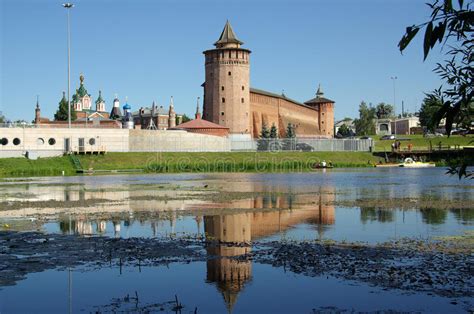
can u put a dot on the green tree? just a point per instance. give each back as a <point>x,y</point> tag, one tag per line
<point>2,118</point>
<point>384,111</point>
<point>274,142</point>
<point>365,125</point>
<point>185,118</point>
<point>62,112</point>
<point>290,142</point>
<point>273,131</point>
<point>262,142</point>
<point>451,24</point>
<point>430,106</point>
<point>344,131</point>
<point>290,131</point>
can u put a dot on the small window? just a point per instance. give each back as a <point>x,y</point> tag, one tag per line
<point>16,141</point>
<point>322,113</point>
<point>4,141</point>
<point>322,122</point>
<point>222,113</point>
<point>230,73</point>
<point>243,87</point>
<point>212,74</point>
<point>92,141</point>
<point>223,100</point>
<point>222,87</point>
<point>241,100</point>
<point>52,141</point>
<point>40,141</point>
<point>230,54</point>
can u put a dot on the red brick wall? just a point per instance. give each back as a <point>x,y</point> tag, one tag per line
<point>271,110</point>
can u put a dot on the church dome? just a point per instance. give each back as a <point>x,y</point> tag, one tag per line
<point>127,107</point>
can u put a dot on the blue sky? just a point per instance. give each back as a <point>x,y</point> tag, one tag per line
<point>151,50</point>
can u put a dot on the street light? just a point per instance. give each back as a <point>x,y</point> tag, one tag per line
<point>394,78</point>
<point>68,6</point>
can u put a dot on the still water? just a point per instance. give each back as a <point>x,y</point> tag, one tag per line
<point>230,208</point>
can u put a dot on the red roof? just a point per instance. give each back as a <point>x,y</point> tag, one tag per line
<point>199,124</point>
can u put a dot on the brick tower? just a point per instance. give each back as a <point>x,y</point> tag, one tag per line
<point>227,84</point>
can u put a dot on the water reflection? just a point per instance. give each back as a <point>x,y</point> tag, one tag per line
<point>376,214</point>
<point>229,274</point>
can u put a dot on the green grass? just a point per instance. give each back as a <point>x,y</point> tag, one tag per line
<point>232,161</point>
<point>421,143</point>
<point>186,162</point>
<point>13,167</point>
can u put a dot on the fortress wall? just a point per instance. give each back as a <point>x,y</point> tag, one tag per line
<point>176,141</point>
<point>279,111</point>
<point>305,119</point>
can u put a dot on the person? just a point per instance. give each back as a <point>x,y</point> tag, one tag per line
<point>393,147</point>
<point>323,164</point>
<point>330,163</point>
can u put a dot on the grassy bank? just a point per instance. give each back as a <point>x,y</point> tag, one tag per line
<point>231,162</point>
<point>421,143</point>
<point>187,162</point>
<point>17,167</point>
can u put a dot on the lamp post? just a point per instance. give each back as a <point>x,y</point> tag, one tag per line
<point>394,78</point>
<point>68,6</point>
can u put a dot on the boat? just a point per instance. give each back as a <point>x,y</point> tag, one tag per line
<point>386,165</point>
<point>410,163</point>
<point>322,167</point>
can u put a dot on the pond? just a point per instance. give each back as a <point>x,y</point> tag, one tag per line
<point>367,206</point>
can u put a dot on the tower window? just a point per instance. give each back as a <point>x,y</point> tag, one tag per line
<point>222,113</point>
<point>222,87</point>
<point>242,100</point>
<point>223,99</point>
<point>243,87</point>
<point>230,73</point>
<point>230,54</point>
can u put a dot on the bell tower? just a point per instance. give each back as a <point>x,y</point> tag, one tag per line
<point>227,84</point>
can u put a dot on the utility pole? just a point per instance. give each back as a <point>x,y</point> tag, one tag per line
<point>68,6</point>
<point>394,78</point>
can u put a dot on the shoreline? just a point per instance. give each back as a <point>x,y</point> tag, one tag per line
<point>166,162</point>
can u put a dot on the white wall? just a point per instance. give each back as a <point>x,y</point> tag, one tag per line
<point>110,140</point>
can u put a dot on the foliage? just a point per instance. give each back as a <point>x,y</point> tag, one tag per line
<point>384,111</point>
<point>262,142</point>
<point>290,138</point>
<point>185,118</point>
<point>429,108</point>
<point>265,133</point>
<point>344,131</point>
<point>451,21</point>
<point>365,125</point>
<point>273,131</point>
<point>274,142</point>
<point>62,112</point>
<point>2,118</point>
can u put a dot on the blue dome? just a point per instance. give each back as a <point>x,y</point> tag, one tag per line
<point>126,107</point>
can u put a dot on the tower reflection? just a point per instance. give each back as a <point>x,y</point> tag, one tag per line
<point>228,268</point>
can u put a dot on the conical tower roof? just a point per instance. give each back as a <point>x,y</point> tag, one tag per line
<point>227,36</point>
<point>99,99</point>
